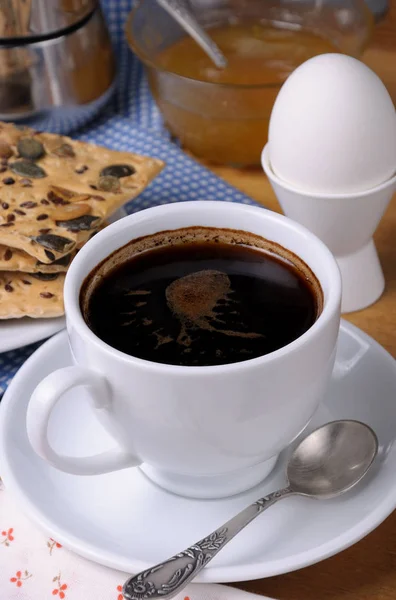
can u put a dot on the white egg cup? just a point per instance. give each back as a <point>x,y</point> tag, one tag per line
<point>346,224</point>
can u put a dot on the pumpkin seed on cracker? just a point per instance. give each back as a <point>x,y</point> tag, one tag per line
<point>45,276</point>
<point>109,183</point>
<point>30,148</point>
<point>84,223</point>
<point>118,171</point>
<point>55,242</point>
<point>26,168</point>
<point>64,151</point>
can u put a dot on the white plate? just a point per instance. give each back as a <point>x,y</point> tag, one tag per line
<point>124,521</point>
<point>16,333</point>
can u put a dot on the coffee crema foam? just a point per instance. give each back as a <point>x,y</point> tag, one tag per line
<point>193,299</point>
<point>203,302</point>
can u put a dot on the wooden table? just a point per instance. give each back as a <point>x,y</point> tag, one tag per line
<point>367,571</point>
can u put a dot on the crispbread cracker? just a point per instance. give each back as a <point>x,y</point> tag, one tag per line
<point>45,251</point>
<point>73,181</point>
<point>12,259</point>
<point>23,295</point>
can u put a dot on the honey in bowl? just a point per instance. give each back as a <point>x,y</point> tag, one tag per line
<point>222,115</point>
<point>257,54</point>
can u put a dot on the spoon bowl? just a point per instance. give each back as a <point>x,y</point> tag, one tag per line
<point>180,11</point>
<point>332,459</point>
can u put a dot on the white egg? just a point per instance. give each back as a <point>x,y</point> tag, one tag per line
<point>333,127</point>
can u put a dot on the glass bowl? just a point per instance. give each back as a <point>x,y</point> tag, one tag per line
<point>227,123</point>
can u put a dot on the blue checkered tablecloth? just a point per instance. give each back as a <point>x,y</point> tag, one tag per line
<point>131,122</point>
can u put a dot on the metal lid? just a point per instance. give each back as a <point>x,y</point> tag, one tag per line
<point>21,19</point>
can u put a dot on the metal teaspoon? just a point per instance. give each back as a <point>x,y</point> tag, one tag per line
<point>327,463</point>
<point>179,10</point>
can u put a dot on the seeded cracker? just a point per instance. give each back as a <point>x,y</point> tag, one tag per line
<point>25,295</point>
<point>55,191</point>
<point>12,259</point>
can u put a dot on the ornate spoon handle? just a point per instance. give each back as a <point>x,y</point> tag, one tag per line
<point>179,10</point>
<point>167,579</point>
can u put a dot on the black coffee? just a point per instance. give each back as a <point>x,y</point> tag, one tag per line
<point>200,296</point>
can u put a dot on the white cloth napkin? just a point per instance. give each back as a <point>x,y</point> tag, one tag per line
<point>35,567</point>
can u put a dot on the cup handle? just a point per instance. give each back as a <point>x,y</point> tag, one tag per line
<point>46,395</point>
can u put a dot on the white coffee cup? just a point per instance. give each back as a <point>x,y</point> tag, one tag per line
<point>197,431</point>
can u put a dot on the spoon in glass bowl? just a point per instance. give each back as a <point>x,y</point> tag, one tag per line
<point>327,463</point>
<point>179,10</point>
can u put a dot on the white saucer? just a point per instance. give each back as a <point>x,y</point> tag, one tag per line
<point>16,333</point>
<point>124,521</point>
